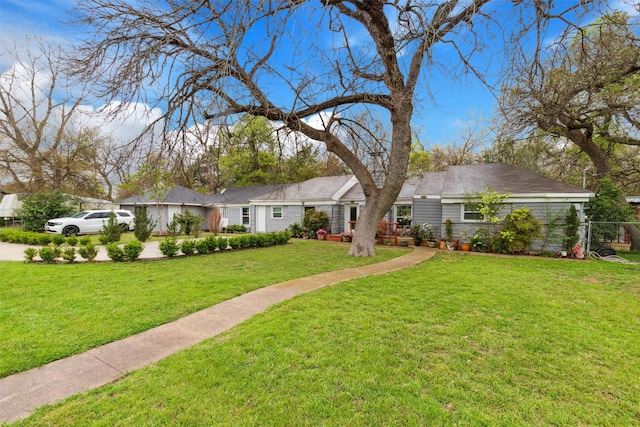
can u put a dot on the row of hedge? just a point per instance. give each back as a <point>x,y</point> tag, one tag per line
<point>210,244</point>
<point>169,247</point>
<point>11,235</point>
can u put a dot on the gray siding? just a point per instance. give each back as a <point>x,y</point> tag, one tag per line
<point>290,214</point>
<point>428,210</point>
<point>336,220</point>
<point>152,212</point>
<point>542,211</point>
<point>336,215</point>
<point>235,215</point>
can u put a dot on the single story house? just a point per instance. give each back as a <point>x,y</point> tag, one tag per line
<point>234,204</point>
<point>432,198</point>
<point>162,206</point>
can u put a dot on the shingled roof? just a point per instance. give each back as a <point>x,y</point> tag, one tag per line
<point>466,179</point>
<point>241,195</point>
<point>320,188</point>
<point>178,195</point>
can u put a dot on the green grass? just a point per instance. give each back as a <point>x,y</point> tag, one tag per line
<point>52,311</point>
<point>460,340</point>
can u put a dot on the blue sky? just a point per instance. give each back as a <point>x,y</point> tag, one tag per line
<point>457,102</point>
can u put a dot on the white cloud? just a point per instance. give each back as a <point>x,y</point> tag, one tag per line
<point>31,88</point>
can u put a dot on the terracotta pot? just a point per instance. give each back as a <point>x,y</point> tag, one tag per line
<point>321,236</point>
<point>465,247</point>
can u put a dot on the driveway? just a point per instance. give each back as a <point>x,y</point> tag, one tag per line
<point>15,252</point>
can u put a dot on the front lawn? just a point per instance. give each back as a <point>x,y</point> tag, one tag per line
<point>459,340</point>
<point>52,311</point>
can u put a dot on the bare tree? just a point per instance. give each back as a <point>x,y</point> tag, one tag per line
<point>586,90</point>
<point>290,61</point>
<point>46,140</point>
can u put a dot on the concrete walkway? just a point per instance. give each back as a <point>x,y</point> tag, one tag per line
<point>21,393</point>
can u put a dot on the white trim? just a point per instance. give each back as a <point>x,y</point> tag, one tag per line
<point>427,196</point>
<point>527,199</point>
<point>276,203</point>
<point>281,212</point>
<point>343,190</point>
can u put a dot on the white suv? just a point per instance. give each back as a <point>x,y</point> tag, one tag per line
<point>88,222</point>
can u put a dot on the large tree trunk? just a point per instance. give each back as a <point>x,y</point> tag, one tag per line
<point>634,233</point>
<point>378,201</point>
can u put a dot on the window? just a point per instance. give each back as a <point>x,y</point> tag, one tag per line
<point>403,215</point>
<point>276,212</point>
<point>245,216</point>
<point>471,212</point>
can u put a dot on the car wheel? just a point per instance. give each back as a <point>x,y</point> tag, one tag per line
<point>70,230</point>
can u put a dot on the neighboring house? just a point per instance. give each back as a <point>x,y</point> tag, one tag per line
<point>175,200</point>
<point>434,198</point>
<point>9,204</point>
<point>634,201</point>
<point>12,202</point>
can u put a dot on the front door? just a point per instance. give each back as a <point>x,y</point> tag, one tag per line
<point>351,214</point>
<point>261,219</point>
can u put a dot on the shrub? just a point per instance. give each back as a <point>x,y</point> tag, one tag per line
<point>235,228</point>
<point>48,254</point>
<point>520,229</point>
<point>173,228</point>
<point>143,224</point>
<point>115,252</point>
<point>72,240</point>
<point>85,240</point>
<point>223,243</point>
<point>44,239</point>
<point>69,254</point>
<point>234,242</point>
<point>188,247</point>
<point>169,247</point>
<point>58,239</point>
<point>571,231</point>
<point>132,250</point>
<point>30,254</point>
<point>481,240</point>
<point>296,229</point>
<point>38,208</point>
<point>315,220</point>
<point>88,251</point>
<point>212,243</point>
<point>111,229</point>
<point>189,222</point>
<point>103,239</point>
<point>202,246</point>
<point>245,241</point>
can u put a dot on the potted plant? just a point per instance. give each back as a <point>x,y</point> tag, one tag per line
<point>448,232</point>
<point>417,233</point>
<point>321,234</point>
<point>464,244</point>
<point>428,235</point>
